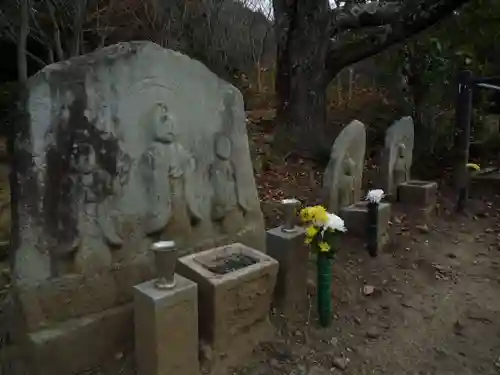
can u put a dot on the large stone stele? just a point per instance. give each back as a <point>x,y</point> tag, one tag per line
<point>397,155</point>
<point>344,173</point>
<point>128,145</point>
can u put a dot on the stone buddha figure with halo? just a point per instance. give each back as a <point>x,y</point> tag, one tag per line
<point>347,182</point>
<point>400,172</point>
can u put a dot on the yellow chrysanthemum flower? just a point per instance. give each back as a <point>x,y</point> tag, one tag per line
<point>311,231</point>
<point>308,240</point>
<point>320,214</point>
<point>474,166</point>
<point>306,214</point>
<point>324,247</point>
<point>316,214</point>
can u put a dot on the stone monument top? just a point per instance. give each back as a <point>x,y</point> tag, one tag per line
<point>397,155</point>
<point>344,173</point>
<point>127,145</point>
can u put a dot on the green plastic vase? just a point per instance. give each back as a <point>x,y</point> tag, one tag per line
<point>324,288</point>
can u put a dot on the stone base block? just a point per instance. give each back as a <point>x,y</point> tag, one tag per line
<point>55,301</point>
<point>421,194</point>
<point>81,344</point>
<point>290,294</point>
<point>166,328</point>
<point>355,218</point>
<point>235,290</point>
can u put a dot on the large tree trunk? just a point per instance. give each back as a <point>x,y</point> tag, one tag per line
<point>414,71</point>
<point>301,79</point>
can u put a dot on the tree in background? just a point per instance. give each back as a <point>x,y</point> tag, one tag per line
<point>227,35</point>
<point>430,62</point>
<point>316,41</point>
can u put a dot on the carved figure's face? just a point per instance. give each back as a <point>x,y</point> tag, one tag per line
<point>164,125</point>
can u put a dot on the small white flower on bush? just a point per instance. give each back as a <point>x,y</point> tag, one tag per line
<point>375,196</point>
<point>334,223</point>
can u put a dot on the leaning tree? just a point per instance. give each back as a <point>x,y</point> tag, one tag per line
<point>316,40</point>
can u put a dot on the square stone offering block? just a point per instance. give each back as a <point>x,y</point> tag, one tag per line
<point>356,216</point>
<point>288,248</point>
<point>418,193</point>
<point>166,328</point>
<point>235,290</point>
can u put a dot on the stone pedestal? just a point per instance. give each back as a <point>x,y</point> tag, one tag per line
<point>235,285</point>
<point>419,194</point>
<point>76,322</point>
<point>166,328</point>
<point>356,216</point>
<point>288,248</point>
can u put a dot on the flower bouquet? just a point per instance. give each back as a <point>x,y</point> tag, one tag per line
<point>322,235</point>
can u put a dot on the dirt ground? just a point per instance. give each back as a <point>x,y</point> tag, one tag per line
<point>432,309</point>
<point>427,305</point>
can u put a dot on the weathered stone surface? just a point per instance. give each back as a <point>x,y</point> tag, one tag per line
<point>344,173</point>
<point>288,248</point>
<point>422,194</point>
<point>129,142</point>
<point>356,216</point>
<point>75,296</point>
<point>80,344</point>
<point>117,149</point>
<point>397,155</point>
<point>234,306</point>
<point>166,328</point>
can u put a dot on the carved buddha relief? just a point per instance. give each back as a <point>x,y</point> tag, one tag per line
<point>347,182</point>
<point>400,172</point>
<point>167,168</point>
<point>227,207</point>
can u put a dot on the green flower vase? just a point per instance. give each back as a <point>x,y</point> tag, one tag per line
<point>324,262</point>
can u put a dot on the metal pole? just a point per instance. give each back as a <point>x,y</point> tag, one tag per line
<point>463,116</point>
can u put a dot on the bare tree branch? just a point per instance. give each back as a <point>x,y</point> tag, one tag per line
<point>363,15</point>
<point>78,18</point>
<point>413,18</point>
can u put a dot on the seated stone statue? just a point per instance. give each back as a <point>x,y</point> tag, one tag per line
<point>400,172</point>
<point>347,182</point>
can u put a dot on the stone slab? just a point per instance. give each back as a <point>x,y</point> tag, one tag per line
<point>344,173</point>
<point>418,193</point>
<point>397,155</point>
<point>233,306</point>
<point>355,218</point>
<point>73,296</point>
<point>290,294</point>
<point>81,344</point>
<point>126,145</point>
<point>119,148</point>
<point>166,328</point>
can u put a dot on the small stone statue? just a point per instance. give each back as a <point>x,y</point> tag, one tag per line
<point>400,172</point>
<point>227,207</point>
<point>167,167</point>
<point>347,183</point>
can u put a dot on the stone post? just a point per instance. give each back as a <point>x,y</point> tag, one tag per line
<point>166,319</point>
<point>286,244</point>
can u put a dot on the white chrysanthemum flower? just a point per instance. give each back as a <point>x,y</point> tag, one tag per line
<point>335,223</point>
<point>375,196</point>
